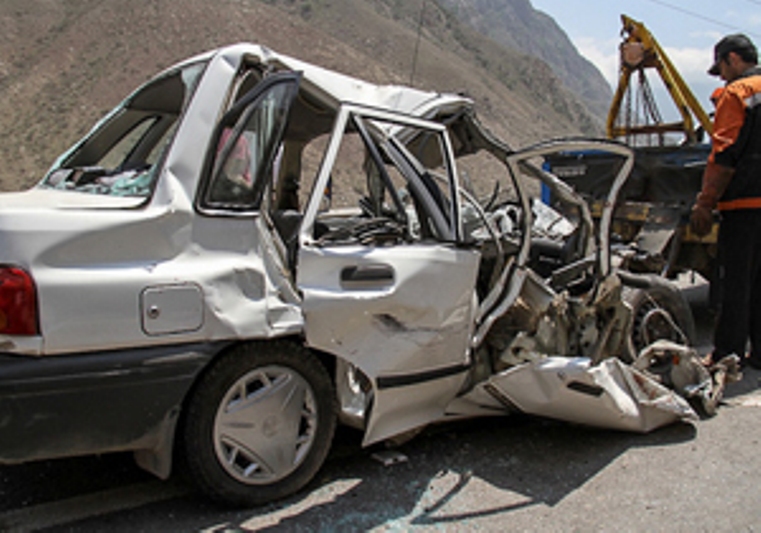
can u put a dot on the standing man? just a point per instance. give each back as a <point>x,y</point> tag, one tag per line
<point>732,184</point>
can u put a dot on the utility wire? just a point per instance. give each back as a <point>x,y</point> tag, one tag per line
<point>703,17</point>
<point>417,43</point>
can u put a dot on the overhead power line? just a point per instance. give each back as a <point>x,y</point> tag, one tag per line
<point>703,17</point>
<point>417,43</point>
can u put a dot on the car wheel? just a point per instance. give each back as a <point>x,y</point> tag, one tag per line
<point>658,312</point>
<point>259,424</point>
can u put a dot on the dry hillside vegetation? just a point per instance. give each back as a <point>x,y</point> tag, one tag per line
<point>64,63</point>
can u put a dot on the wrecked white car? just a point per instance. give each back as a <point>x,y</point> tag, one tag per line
<point>250,249</point>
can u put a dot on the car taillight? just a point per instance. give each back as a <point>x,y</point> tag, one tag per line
<point>18,302</point>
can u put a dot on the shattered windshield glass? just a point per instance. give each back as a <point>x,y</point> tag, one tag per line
<point>121,156</point>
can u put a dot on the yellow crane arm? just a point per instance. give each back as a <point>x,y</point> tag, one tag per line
<point>640,50</point>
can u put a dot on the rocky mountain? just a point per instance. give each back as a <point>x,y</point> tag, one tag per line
<point>515,24</point>
<point>64,63</point>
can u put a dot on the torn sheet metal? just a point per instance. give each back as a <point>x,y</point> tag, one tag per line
<point>610,395</point>
<point>679,367</point>
<point>549,223</point>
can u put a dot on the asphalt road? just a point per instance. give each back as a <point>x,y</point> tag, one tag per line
<point>502,474</point>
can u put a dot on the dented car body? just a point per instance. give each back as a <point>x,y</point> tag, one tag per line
<point>250,249</point>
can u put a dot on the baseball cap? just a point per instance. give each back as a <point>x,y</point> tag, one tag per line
<point>731,43</point>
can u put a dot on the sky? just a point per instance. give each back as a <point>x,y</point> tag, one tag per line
<point>686,29</point>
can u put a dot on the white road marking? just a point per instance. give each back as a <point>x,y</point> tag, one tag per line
<point>62,512</point>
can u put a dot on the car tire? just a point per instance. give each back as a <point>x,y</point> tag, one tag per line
<point>647,324</point>
<point>259,424</point>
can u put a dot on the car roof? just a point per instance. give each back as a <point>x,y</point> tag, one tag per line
<point>336,88</point>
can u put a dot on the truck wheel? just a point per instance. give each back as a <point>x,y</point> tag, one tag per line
<point>659,312</point>
<point>260,423</point>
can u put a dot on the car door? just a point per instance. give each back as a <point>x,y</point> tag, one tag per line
<point>387,287</point>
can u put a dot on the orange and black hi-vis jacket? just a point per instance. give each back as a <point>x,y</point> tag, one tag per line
<point>737,141</point>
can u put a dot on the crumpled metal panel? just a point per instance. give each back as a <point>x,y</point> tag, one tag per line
<point>413,323</point>
<point>112,256</point>
<point>406,327</point>
<point>609,395</point>
<point>680,368</point>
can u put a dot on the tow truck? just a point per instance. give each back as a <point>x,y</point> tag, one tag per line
<point>650,225</point>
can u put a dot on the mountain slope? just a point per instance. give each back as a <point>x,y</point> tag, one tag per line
<point>516,24</point>
<point>64,63</point>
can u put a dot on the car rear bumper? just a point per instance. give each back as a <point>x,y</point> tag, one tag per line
<point>78,404</point>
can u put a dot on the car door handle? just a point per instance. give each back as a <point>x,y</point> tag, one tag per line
<point>367,276</point>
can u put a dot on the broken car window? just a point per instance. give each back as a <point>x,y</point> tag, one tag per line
<point>380,194</point>
<point>119,156</point>
<point>248,143</point>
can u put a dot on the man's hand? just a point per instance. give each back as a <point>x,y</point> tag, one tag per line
<point>701,220</point>
<point>716,178</point>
